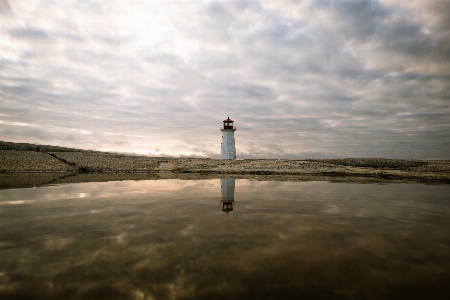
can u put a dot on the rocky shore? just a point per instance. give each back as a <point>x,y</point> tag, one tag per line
<point>28,167</point>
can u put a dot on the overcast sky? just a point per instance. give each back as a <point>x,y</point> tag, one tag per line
<point>301,79</point>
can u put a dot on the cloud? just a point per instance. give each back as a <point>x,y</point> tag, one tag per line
<point>5,8</point>
<point>29,33</point>
<point>302,75</point>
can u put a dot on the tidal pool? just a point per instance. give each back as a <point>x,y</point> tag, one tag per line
<point>225,239</point>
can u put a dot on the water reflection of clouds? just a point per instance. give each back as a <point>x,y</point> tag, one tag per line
<point>176,243</point>
<point>15,202</point>
<point>133,189</point>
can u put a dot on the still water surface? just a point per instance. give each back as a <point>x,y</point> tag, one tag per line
<point>225,239</point>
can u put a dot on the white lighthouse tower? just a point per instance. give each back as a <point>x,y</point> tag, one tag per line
<point>228,150</point>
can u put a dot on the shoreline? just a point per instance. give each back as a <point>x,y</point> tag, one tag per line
<point>32,168</point>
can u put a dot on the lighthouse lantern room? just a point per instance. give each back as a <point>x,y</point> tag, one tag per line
<point>228,149</point>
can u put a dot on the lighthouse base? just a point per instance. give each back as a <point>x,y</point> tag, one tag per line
<point>228,149</point>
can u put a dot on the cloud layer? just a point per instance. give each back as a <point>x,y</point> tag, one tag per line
<point>301,79</point>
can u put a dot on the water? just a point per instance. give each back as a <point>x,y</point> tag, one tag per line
<point>225,239</point>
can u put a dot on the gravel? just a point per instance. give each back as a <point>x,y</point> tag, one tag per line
<point>89,162</point>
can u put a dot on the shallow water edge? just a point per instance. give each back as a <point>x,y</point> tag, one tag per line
<point>39,179</point>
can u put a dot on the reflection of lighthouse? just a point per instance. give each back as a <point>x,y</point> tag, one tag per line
<point>227,187</point>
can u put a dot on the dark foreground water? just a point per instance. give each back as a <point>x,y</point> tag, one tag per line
<point>173,239</point>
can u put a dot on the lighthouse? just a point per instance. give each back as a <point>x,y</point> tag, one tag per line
<point>228,149</point>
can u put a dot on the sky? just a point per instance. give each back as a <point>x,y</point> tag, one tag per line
<point>301,79</point>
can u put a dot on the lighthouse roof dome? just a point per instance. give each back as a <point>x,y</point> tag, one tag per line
<point>228,120</point>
